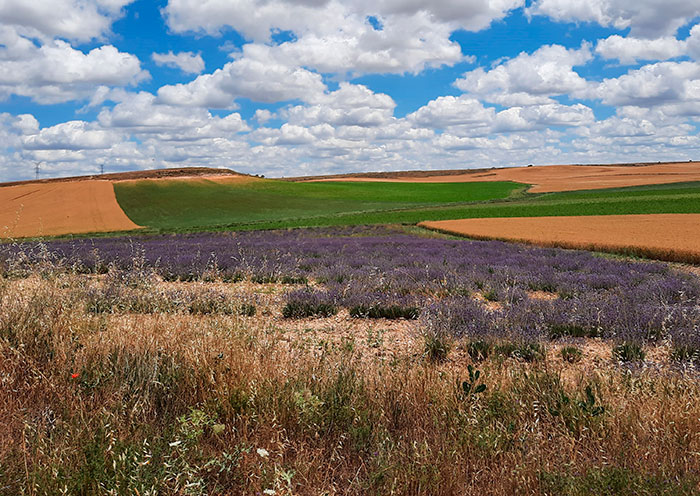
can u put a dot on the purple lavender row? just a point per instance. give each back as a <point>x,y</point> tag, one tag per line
<point>374,269</point>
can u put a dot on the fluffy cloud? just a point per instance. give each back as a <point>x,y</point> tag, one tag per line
<point>693,42</point>
<point>646,18</point>
<point>542,116</point>
<point>529,78</point>
<point>464,116</point>
<point>257,19</point>
<point>663,83</point>
<point>447,111</point>
<point>350,105</point>
<point>629,50</point>
<point>141,115</point>
<point>78,20</point>
<point>256,75</point>
<point>73,136</point>
<point>405,45</point>
<point>188,62</point>
<point>358,36</point>
<point>638,136</point>
<point>56,72</point>
<point>351,114</point>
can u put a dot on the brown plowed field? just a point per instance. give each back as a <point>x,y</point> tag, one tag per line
<point>673,237</point>
<point>550,178</point>
<point>61,207</point>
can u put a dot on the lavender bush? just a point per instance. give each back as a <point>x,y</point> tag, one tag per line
<point>381,272</point>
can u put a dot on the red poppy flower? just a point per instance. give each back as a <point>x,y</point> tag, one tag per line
<point>75,376</point>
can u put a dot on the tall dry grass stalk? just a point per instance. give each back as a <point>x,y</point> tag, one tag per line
<point>217,403</point>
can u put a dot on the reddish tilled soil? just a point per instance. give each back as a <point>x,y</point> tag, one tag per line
<point>55,208</point>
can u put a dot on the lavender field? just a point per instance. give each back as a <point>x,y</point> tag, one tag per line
<point>473,290</point>
<point>344,361</point>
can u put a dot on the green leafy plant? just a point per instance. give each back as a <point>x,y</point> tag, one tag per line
<point>472,387</point>
<point>588,405</point>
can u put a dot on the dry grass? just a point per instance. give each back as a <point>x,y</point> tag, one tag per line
<point>177,403</point>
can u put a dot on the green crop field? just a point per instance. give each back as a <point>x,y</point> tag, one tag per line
<point>171,206</point>
<point>191,205</point>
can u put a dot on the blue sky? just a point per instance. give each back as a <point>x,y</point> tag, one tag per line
<point>294,87</point>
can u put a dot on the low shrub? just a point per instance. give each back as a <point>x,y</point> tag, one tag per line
<point>479,350</point>
<point>305,302</point>
<point>300,310</point>
<point>211,302</point>
<point>232,277</point>
<point>528,352</point>
<point>557,331</point>
<point>571,354</point>
<point>247,310</point>
<point>685,353</point>
<point>264,278</point>
<point>628,352</point>
<point>384,312</point>
<point>437,347</point>
<point>490,295</point>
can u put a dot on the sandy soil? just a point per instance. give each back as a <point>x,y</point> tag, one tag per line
<point>656,234</point>
<point>49,209</point>
<point>551,178</point>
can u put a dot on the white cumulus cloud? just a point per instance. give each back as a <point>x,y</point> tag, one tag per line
<point>529,78</point>
<point>73,136</point>
<point>630,50</point>
<point>56,72</point>
<point>256,75</point>
<point>79,20</point>
<point>188,62</point>
<point>646,18</point>
<point>663,83</point>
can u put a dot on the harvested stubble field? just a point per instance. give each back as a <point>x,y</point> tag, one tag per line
<point>674,237</point>
<point>549,178</point>
<point>346,361</point>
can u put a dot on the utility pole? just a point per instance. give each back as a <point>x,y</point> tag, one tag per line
<point>37,168</point>
<point>102,168</point>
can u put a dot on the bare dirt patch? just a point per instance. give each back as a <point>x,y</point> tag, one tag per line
<point>664,236</point>
<point>542,295</point>
<point>50,209</point>
<point>552,178</point>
